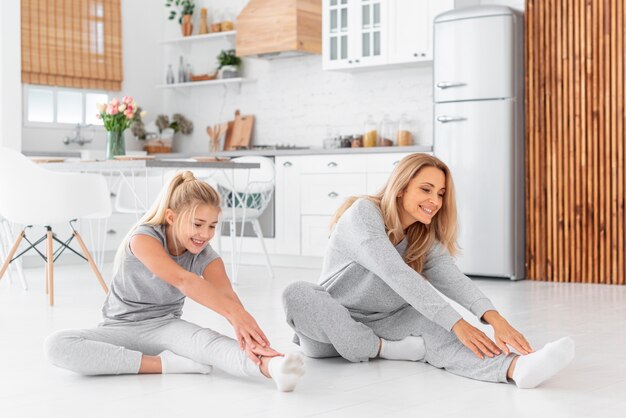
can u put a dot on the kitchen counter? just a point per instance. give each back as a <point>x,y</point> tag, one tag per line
<point>270,152</point>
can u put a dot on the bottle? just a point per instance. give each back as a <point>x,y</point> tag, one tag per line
<point>370,132</point>
<point>169,79</point>
<point>181,70</point>
<point>406,128</point>
<point>188,72</point>
<point>387,132</point>
<point>204,27</point>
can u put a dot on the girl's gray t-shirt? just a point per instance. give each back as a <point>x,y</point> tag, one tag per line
<point>137,294</point>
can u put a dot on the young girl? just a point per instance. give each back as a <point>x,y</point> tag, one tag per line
<point>164,259</point>
<point>376,299</point>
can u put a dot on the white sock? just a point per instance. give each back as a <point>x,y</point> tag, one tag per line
<point>286,371</point>
<point>173,363</point>
<point>535,368</point>
<point>409,349</point>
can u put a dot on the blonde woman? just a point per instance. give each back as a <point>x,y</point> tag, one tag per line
<point>386,256</point>
<point>165,258</point>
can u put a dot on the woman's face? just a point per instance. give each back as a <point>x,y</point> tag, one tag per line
<point>195,235</point>
<point>423,197</point>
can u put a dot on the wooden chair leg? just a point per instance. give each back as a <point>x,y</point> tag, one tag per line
<point>49,267</point>
<point>5,266</point>
<point>91,262</point>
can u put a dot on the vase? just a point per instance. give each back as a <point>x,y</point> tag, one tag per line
<point>186,25</point>
<point>115,144</point>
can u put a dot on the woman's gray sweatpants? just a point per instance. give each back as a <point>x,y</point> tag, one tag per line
<point>117,347</point>
<point>325,328</point>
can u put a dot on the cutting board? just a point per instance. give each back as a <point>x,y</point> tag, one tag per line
<point>240,133</point>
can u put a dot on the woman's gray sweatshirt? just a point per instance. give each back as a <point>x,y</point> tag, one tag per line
<point>365,272</point>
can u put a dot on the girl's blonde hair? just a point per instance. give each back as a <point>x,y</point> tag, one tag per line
<point>182,195</point>
<point>421,237</point>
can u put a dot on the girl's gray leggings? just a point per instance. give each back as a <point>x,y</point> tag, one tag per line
<point>325,328</point>
<point>116,348</point>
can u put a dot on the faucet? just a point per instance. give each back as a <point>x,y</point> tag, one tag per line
<point>76,138</point>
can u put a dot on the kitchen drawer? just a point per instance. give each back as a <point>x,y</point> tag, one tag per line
<point>322,194</point>
<point>333,164</point>
<point>315,231</point>
<point>384,163</point>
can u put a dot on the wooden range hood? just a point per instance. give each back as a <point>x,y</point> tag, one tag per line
<point>279,28</point>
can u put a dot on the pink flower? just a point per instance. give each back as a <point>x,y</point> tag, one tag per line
<point>127,99</point>
<point>98,116</point>
<point>128,113</point>
<point>114,102</point>
<point>130,107</point>
<point>112,109</point>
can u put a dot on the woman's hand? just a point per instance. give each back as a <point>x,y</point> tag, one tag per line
<point>247,331</point>
<point>505,334</point>
<point>475,339</point>
<point>256,353</point>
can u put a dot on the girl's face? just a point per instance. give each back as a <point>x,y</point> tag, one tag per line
<point>195,235</point>
<point>423,197</point>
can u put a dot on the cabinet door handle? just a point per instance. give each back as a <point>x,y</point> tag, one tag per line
<point>332,195</point>
<point>447,119</point>
<point>111,232</point>
<point>287,164</point>
<point>357,61</point>
<point>448,84</point>
<point>396,162</point>
<point>113,194</point>
<point>332,164</point>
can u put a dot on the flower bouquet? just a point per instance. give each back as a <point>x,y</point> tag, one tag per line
<point>117,117</point>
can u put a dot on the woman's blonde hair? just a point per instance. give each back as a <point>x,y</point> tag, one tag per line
<point>182,195</point>
<point>421,237</point>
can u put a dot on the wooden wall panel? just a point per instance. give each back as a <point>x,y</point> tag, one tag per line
<point>574,60</point>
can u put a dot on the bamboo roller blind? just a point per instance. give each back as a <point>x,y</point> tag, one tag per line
<point>575,140</point>
<point>72,43</point>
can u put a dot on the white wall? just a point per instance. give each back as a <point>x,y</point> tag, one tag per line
<point>142,24</point>
<point>10,57</point>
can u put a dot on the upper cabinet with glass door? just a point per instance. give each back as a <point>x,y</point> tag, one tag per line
<point>370,33</point>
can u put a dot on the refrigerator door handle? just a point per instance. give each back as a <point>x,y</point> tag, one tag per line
<point>448,84</point>
<point>448,119</point>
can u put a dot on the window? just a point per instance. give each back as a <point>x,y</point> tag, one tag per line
<point>54,106</point>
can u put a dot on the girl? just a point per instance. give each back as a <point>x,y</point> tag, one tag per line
<point>165,258</point>
<point>376,300</point>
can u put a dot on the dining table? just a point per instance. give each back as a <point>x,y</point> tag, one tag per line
<point>132,170</point>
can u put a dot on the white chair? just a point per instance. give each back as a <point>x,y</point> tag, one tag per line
<point>31,195</point>
<point>249,192</point>
<point>5,246</point>
<point>137,193</point>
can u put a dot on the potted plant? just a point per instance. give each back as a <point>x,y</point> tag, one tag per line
<point>185,9</point>
<point>229,64</point>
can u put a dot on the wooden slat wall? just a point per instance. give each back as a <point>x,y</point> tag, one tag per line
<point>575,81</point>
<point>72,43</point>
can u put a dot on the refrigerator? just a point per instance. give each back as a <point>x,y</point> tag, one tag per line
<point>479,133</point>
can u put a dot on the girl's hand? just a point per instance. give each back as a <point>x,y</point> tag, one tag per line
<point>475,339</point>
<point>505,334</point>
<point>255,353</point>
<point>247,331</point>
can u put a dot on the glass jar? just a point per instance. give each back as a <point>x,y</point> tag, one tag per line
<point>370,132</point>
<point>387,132</point>
<point>406,131</point>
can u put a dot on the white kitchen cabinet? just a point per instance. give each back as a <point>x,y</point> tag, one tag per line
<point>326,192</point>
<point>315,232</point>
<point>287,198</point>
<point>360,34</point>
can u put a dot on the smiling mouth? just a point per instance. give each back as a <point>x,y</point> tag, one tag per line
<point>427,211</point>
<point>198,243</point>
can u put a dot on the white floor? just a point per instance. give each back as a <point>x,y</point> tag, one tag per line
<point>593,385</point>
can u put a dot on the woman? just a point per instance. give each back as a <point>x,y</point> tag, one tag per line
<point>165,258</point>
<point>376,299</point>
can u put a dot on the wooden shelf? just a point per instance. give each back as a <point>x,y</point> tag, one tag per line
<point>223,81</point>
<point>207,37</point>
